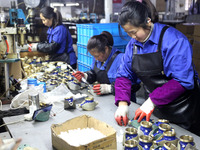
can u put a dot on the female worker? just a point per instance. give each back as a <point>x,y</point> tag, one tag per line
<point>161,57</point>
<point>59,45</point>
<point>105,64</point>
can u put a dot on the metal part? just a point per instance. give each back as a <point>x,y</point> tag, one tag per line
<point>83,80</point>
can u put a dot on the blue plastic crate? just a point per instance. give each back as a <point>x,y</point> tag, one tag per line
<point>85,58</point>
<point>83,67</point>
<point>122,48</point>
<point>83,55</point>
<point>85,31</point>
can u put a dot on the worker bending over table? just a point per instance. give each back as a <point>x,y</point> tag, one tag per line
<point>59,44</point>
<point>161,57</point>
<point>105,63</point>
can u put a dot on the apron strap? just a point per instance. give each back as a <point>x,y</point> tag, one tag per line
<point>161,37</point>
<point>111,60</point>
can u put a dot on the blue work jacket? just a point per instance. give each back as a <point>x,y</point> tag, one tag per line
<point>112,72</point>
<point>176,53</point>
<point>62,36</point>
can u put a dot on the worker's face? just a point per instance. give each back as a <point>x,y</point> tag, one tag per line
<point>137,33</point>
<point>100,56</point>
<point>45,21</point>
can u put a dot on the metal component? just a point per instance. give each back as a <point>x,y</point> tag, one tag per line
<point>146,124</point>
<point>164,127</point>
<point>89,98</point>
<point>69,103</point>
<point>169,146</point>
<point>88,104</point>
<point>83,80</point>
<point>145,139</point>
<point>34,97</point>
<point>130,144</point>
<point>186,138</point>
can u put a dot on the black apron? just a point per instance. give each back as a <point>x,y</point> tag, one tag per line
<point>185,110</point>
<point>101,75</point>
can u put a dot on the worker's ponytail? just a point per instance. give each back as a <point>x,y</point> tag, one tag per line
<point>58,18</point>
<point>51,13</point>
<point>99,42</point>
<point>109,37</point>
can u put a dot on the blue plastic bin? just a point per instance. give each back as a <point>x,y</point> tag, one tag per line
<point>85,31</point>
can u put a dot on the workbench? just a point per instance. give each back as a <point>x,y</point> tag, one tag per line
<point>38,134</point>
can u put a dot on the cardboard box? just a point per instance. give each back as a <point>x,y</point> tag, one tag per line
<point>196,49</point>
<point>190,38</point>
<point>108,143</point>
<point>198,71</point>
<point>15,70</point>
<point>197,30</point>
<point>160,5</point>
<point>186,28</point>
<point>196,38</point>
<point>196,62</point>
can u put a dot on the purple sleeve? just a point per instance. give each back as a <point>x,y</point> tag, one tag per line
<point>167,93</point>
<point>122,90</point>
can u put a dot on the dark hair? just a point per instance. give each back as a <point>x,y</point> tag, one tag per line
<point>137,13</point>
<point>99,42</point>
<point>49,13</point>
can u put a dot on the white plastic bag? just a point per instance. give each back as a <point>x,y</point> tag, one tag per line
<point>21,100</point>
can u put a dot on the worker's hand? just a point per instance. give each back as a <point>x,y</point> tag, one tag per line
<point>121,115</point>
<point>101,89</point>
<point>145,110</point>
<point>9,144</point>
<point>32,47</point>
<point>79,75</point>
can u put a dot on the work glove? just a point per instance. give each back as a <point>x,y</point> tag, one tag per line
<point>8,144</point>
<point>121,115</point>
<point>32,47</point>
<point>145,110</point>
<point>79,75</point>
<point>101,89</point>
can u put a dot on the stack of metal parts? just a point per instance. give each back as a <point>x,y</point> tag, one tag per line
<point>52,73</point>
<point>159,135</point>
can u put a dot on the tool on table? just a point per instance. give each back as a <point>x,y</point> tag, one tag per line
<point>82,79</point>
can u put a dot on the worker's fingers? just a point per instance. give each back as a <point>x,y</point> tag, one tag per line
<point>125,120</point>
<point>119,120</point>
<point>1,142</point>
<point>96,86</point>
<point>78,78</point>
<point>141,116</point>
<point>29,49</point>
<point>77,73</point>
<point>97,91</point>
<point>17,144</point>
<point>137,113</point>
<point>148,115</point>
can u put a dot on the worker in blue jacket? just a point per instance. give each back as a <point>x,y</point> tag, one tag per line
<point>59,44</point>
<point>161,57</point>
<point>105,63</point>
